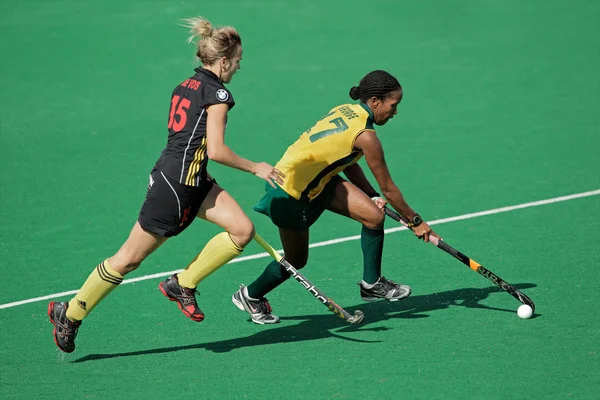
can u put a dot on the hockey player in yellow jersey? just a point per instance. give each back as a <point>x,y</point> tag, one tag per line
<point>312,185</point>
<point>324,150</point>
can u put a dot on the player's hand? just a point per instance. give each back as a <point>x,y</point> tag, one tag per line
<point>379,202</point>
<point>423,231</point>
<point>268,173</point>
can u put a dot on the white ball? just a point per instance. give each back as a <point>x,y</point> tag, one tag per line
<point>524,312</point>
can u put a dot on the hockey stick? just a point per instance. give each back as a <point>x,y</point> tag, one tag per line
<point>474,265</point>
<point>355,319</point>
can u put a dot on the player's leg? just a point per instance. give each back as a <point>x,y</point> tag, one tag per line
<point>252,298</point>
<point>353,203</point>
<point>161,216</point>
<point>218,207</point>
<point>109,274</point>
<point>67,317</point>
<point>221,209</point>
<point>350,201</point>
<point>293,218</point>
<point>295,247</point>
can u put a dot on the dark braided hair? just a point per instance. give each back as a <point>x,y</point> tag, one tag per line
<point>376,83</point>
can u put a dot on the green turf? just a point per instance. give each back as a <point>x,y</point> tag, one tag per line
<point>500,108</point>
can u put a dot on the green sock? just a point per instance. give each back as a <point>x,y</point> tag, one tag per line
<point>371,242</point>
<point>273,276</point>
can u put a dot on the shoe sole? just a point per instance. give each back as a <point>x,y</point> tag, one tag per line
<point>239,305</point>
<point>50,310</point>
<point>187,314</point>
<point>371,299</point>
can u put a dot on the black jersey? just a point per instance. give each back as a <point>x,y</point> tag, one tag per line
<point>184,159</point>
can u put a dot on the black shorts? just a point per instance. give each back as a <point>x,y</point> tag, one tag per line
<point>170,206</point>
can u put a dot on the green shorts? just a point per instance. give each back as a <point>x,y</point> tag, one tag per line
<point>288,213</point>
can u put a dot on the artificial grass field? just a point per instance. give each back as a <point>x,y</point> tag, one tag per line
<point>500,108</point>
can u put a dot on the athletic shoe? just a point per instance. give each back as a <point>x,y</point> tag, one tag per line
<point>185,297</point>
<point>384,289</point>
<point>65,331</point>
<point>260,310</point>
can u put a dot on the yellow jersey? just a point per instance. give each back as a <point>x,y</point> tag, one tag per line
<point>324,151</point>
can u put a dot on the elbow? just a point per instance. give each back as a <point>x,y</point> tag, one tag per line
<point>388,190</point>
<point>214,154</point>
<point>386,193</point>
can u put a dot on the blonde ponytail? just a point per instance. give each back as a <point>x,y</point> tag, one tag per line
<point>212,43</point>
<point>199,27</point>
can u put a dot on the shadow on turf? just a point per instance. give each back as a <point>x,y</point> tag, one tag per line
<point>319,326</point>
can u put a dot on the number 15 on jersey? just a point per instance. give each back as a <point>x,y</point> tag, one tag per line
<point>178,114</point>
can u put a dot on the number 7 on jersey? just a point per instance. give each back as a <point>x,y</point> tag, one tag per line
<point>340,126</point>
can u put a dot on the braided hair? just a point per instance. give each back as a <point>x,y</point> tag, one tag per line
<point>375,84</point>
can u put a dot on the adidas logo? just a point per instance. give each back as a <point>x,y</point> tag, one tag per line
<point>81,304</point>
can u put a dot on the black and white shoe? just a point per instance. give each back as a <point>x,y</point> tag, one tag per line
<point>384,289</point>
<point>260,310</point>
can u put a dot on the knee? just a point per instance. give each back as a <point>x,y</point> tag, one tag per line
<point>375,220</point>
<point>298,261</point>
<point>125,263</point>
<point>243,232</point>
<point>297,264</point>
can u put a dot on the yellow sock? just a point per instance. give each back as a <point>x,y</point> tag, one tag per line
<point>101,282</point>
<point>218,251</point>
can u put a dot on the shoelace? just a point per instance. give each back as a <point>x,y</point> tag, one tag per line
<point>68,328</point>
<point>389,284</point>
<point>188,296</point>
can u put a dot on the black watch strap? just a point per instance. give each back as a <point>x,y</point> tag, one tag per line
<point>415,221</point>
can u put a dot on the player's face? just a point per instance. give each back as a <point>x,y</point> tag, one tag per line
<point>232,65</point>
<point>385,109</point>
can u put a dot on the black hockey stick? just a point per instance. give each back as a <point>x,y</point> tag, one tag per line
<point>355,319</point>
<point>474,265</point>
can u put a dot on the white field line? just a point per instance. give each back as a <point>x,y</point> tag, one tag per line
<point>339,240</point>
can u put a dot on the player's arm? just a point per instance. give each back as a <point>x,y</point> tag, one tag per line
<point>356,175</point>
<point>370,145</point>
<point>219,152</point>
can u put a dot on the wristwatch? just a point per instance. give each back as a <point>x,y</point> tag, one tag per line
<point>414,221</point>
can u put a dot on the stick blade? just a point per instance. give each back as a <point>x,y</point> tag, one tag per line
<point>358,318</point>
